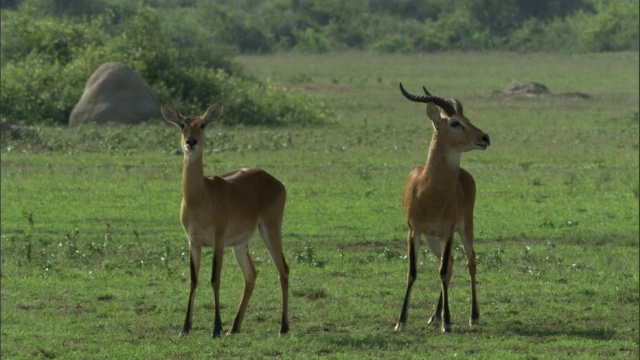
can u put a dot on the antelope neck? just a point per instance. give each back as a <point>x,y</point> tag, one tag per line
<point>193,182</point>
<point>443,167</point>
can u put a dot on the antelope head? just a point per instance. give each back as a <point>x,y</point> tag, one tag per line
<point>449,122</point>
<point>192,126</point>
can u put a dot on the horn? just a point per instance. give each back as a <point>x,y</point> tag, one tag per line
<point>457,105</point>
<point>445,104</point>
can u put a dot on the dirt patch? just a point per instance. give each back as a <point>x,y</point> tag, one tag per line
<point>518,89</point>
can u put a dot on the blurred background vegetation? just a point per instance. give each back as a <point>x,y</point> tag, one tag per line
<point>184,49</point>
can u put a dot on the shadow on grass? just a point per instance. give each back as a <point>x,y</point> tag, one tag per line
<point>390,339</point>
<point>595,333</point>
<point>372,342</point>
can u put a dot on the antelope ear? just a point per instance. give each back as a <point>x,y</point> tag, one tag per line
<point>170,115</point>
<point>436,115</point>
<point>212,114</point>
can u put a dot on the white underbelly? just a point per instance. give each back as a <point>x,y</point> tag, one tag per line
<point>436,244</point>
<point>238,239</point>
<point>205,237</point>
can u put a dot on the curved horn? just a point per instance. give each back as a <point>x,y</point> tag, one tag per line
<point>457,105</point>
<point>446,105</point>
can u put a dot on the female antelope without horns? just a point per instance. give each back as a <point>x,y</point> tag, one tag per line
<point>225,210</point>
<point>438,200</point>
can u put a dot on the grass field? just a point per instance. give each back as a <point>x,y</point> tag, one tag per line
<point>94,259</point>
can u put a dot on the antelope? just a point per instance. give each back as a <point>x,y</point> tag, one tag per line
<point>225,210</point>
<point>438,200</point>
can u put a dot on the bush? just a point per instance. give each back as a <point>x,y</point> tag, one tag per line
<point>310,40</point>
<point>459,31</point>
<point>536,35</point>
<point>613,26</point>
<point>393,43</point>
<point>250,26</point>
<point>31,92</point>
<point>42,81</point>
<point>53,39</point>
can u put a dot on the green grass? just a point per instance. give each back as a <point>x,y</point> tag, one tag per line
<point>94,260</point>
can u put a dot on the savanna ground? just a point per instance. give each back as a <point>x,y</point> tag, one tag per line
<point>95,265</point>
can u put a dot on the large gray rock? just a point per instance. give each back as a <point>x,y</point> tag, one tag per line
<point>115,93</point>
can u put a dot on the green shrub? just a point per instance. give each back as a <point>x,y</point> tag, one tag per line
<point>390,34</point>
<point>250,26</point>
<point>613,26</point>
<point>311,40</point>
<point>31,92</point>
<point>536,35</point>
<point>42,81</point>
<point>393,43</point>
<point>54,39</point>
<point>459,31</point>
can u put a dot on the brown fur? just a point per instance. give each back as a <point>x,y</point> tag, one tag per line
<point>219,211</point>
<point>438,200</point>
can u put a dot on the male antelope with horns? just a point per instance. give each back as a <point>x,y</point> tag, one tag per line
<point>438,200</point>
<point>225,210</point>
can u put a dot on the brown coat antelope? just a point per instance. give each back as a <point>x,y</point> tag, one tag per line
<point>225,210</point>
<point>438,201</point>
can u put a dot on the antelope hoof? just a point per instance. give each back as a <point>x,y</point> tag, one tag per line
<point>284,329</point>
<point>473,321</point>
<point>231,332</point>
<point>399,327</point>
<point>435,320</point>
<point>446,329</point>
<point>183,334</point>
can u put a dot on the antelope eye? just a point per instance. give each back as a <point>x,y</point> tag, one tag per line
<point>182,125</point>
<point>203,125</point>
<point>455,124</point>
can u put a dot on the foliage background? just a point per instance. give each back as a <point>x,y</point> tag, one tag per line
<point>182,48</point>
